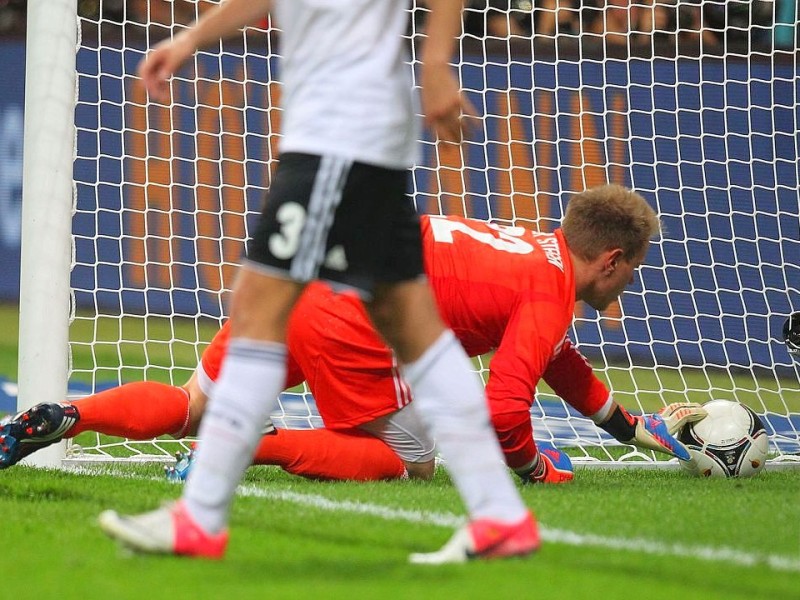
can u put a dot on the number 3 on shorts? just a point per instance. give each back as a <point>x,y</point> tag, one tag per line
<point>291,217</point>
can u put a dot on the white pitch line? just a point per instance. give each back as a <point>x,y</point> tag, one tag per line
<point>725,554</point>
<point>559,536</point>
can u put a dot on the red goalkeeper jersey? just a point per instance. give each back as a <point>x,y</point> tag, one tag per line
<point>499,288</point>
<point>511,290</point>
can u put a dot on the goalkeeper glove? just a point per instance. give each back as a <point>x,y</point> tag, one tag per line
<point>655,432</point>
<point>551,466</point>
<point>652,434</point>
<point>679,414</point>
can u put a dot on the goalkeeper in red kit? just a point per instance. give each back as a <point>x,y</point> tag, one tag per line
<point>506,289</point>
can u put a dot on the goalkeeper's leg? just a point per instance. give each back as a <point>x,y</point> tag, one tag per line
<point>321,454</point>
<point>38,427</point>
<point>141,411</point>
<point>328,454</point>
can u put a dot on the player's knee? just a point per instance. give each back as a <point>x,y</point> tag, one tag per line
<point>197,405</point>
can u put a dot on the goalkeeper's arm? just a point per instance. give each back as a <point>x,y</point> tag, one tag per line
<point>573,379</point>
<point>653,432</point>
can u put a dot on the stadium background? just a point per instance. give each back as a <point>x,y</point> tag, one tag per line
<point>713,141</point>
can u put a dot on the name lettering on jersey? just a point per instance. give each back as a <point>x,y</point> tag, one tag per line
<point>549,243</point>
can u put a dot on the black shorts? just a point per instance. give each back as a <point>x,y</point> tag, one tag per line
<point>345,222</point>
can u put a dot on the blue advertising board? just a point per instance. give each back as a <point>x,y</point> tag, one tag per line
<point>714,144</point>
<point>12,101</point>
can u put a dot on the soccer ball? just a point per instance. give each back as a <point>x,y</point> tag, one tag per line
<point>730,442</point>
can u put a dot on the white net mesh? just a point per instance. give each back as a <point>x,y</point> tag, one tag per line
<point>692,105</point>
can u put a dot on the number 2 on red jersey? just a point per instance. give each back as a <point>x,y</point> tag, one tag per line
<point>503,238</point>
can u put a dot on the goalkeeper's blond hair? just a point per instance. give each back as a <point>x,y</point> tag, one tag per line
<point>607,217</point>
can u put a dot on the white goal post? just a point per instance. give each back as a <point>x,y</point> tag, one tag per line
<point>49,145</point>
<point>700,119</point>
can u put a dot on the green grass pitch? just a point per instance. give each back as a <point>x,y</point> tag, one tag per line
<point>630,533</point>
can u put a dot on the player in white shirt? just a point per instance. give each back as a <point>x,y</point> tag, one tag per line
<point>338,210</point>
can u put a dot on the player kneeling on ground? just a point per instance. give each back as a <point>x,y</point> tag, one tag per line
<point>522,311</point>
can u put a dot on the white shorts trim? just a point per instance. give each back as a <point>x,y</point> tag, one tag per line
<point>405,434</point>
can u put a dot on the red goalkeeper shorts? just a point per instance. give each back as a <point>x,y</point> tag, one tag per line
<point>333,346</point>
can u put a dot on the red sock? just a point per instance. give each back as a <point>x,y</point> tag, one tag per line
<point>328,454</point>
<point>140,411</point>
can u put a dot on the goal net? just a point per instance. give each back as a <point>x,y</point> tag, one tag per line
<point>694,107</point>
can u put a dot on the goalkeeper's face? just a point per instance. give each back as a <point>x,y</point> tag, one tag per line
<point>618,273</point>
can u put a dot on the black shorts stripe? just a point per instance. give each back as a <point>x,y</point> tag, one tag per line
<point>325,198</point>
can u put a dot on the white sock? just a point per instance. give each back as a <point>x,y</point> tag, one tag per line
<point>252,376</point>
<point>451,400</point>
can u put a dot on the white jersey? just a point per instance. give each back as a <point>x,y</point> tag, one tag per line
<point>347,87</point>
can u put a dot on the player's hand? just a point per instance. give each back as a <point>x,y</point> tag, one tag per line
<point>554,466</point>
<point>679,414</point>
<point>447,111</point>
<point>161,63</point>
<point>652,433</point>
